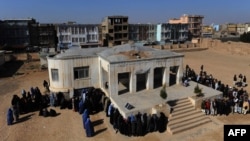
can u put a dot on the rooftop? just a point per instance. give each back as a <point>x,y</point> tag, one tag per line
<point>129,52</point>
<point>79,53</point>
<point>121,53</point>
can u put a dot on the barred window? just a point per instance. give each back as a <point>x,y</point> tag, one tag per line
<point>54,75</point>
<point>81,72</point>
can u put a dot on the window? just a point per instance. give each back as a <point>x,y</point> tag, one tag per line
<point>54,75</point>
<point>81,72</point>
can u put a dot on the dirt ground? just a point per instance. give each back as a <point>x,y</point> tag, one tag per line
<point>67,125</point>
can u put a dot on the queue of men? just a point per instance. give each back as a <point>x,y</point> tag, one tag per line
<point>235,99</point>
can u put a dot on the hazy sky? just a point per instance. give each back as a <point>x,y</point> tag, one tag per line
<point>139,11</point>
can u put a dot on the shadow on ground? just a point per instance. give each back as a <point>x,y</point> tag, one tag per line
<point>10,68</point>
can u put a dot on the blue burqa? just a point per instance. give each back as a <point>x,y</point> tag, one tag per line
<point>89,128</point>
<point>85,116</point>
<point>10,117</point>
<point>81,107</point>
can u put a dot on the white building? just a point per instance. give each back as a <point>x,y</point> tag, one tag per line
<point>81,35</point>
<point>126,69</point>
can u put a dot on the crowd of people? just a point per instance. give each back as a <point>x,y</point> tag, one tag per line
<point>27,102</point>
<point>91,100</point>
<point>234,99</point>
<point>34,100</point>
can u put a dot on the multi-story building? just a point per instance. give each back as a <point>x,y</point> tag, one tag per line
<point>47,36</point>
<point>163,32</point>
<point>152,32</point>
<point>231,29</point>
<point>194,23</point>
<point>207,31</point>
<point>19,33</point>
<point>167,32</point>
<point>114,30</point>
<point>81,35</point>
<point>138,32</point>
<point>241,28</point>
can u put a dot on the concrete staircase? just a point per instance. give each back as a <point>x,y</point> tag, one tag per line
<point>184,116</point>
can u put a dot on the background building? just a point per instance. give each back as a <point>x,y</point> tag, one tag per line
<point>241,28</point>
<point>152,32</point>
<point>81,35</point>
<point>138,32</point>
<point>114,30</point>
<point>47,36</point>
<point>17,34</point>
<point>194,23</point>
<point>231,29</point>
<point>207,31</point>
<point>167,32</point>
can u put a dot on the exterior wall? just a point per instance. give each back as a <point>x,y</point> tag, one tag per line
<point>103,66</point>
<point>66,73</point>
<point>232,47</point>
<point>142,65</point>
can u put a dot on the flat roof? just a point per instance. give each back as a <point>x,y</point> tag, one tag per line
<point>127,52</point>
<point>120,53</point>
<point>79,53</point>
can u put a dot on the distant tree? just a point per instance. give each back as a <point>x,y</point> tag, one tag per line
<point>245,37</point>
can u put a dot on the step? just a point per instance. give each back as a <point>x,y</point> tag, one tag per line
<point>173,103</point>
<point>185,114</point>
<point>174,113</point>
<point>180,108</point>
<point>182,104</point>
<point>185,119</point>
<point>190,120</point>
<point>190,126</point>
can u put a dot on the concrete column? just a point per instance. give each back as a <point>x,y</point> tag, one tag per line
<point>166,76</point>
<point>132,83</point>
<point>150,79</point>
<point>179,73</point>
<point>101,75</point>
<point>113,83</point>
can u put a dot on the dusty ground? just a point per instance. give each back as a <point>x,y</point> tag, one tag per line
<point>67,126</point>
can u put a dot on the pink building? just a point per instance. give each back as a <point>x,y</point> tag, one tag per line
<point>194,23</point>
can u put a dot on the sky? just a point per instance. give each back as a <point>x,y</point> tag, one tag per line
<point>138,11</point>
